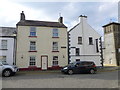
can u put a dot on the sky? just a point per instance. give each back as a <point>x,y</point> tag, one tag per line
<point>98,12</point>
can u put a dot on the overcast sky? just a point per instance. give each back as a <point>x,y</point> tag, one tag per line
<point>99,13</point>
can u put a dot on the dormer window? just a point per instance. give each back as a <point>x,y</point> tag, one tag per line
<point>33,31</point>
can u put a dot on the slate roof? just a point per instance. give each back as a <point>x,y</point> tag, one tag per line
<point>40,23</point>
<point>7,31</point>
<point>111,23</point>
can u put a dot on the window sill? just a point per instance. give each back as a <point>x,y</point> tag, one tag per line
<point>33,36</point>
<point>32,51</point>
<point>79,43</point>
<point>55,37</point>
<point>91,44</point>
<point>3,49</point>
<point>55,51</point>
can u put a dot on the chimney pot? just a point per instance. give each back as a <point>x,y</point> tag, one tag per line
<point>60,20</point>
<point>22,17</point>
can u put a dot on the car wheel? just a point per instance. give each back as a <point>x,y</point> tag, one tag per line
<point>7,73</point>
<point>70,72</point>
<point>92,71</point>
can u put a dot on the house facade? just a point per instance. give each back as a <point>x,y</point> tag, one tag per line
<point>41,44</point>
<point>119,11</point>
<point>7,44</point>
<point>112,44</point>
<point>84,43</point>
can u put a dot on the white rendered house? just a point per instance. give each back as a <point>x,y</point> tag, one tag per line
<point>7,44</point>
<point>84,43</point>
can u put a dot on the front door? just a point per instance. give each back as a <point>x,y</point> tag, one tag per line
<point>44,62</point>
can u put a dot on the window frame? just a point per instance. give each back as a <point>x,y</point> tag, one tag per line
<point>77,51</point>
<point>4,45</point>
<point>55,61</point>
<point>33,46</point>
<point>55,47</point>
<point>79,40</point>
<point>32,59</point>
<point>55,33</point>
<point>91,39</point>
<point>33,32</point>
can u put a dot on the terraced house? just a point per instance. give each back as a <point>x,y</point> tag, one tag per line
<point>84,42</point>
<point>41,44</point>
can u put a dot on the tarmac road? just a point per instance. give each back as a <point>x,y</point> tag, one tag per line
<point>44,79</point>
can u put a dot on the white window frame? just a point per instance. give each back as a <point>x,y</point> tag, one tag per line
<point>32,31</point>
<point>55,32</point>
<point>55,46</point>
<point>3,58</point>
<point>32,47</point>
<point>4,44</point>
<point>79,40</point>
<point>32,61</point>
<point>92,41</point>
<point>55,61</point>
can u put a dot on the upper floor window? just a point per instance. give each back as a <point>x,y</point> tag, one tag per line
<point>55,32</point>
<point>55,46</point>
<point>32,31</point>
<point>32,61</point>
<point>97,50</point>
<point>90,41</point>
<point>32,46</point>
<point>4,44</point>
<point>79,40</point>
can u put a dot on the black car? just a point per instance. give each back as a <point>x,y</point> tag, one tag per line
<point>80,67</point>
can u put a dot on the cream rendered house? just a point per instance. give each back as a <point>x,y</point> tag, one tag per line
<point>84,43</point>
<point>41,44</point>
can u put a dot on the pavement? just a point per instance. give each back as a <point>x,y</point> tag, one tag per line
<point>100,69</point>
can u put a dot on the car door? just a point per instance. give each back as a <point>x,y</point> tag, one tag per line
<point>82,67</point>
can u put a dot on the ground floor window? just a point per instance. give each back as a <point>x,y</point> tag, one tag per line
<point>55,60</point>
<point>32,61</point>
<point>3,58</point>
<point>77,59</point>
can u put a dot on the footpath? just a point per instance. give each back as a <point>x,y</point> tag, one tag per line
<point>100,69</point>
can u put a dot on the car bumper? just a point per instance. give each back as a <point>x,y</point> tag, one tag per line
<point>16,69</point>
<point>64,70</point>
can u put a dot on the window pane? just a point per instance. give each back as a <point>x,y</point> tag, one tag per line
<point>55,32</point>
<point>55,46</point>
<point>77,51</point>
<point>32,45</point>
<point>90,41</point>
<point>79,40</point>
<point>32,31</point>
<point>55,60</point>
<point>3,58</point>
<point>32,61</point>
<point>4,44</point>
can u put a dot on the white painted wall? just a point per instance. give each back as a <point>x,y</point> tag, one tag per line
<point>119,11</point>
<point>10,50</point>
<point>87,52</point>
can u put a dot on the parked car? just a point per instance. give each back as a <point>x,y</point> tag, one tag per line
<point>80,67</point>
<point>7,70</point>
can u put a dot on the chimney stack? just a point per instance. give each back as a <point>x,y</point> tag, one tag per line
<point>60,20</point>
<point>22,16</point>
<point>82,18</point>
